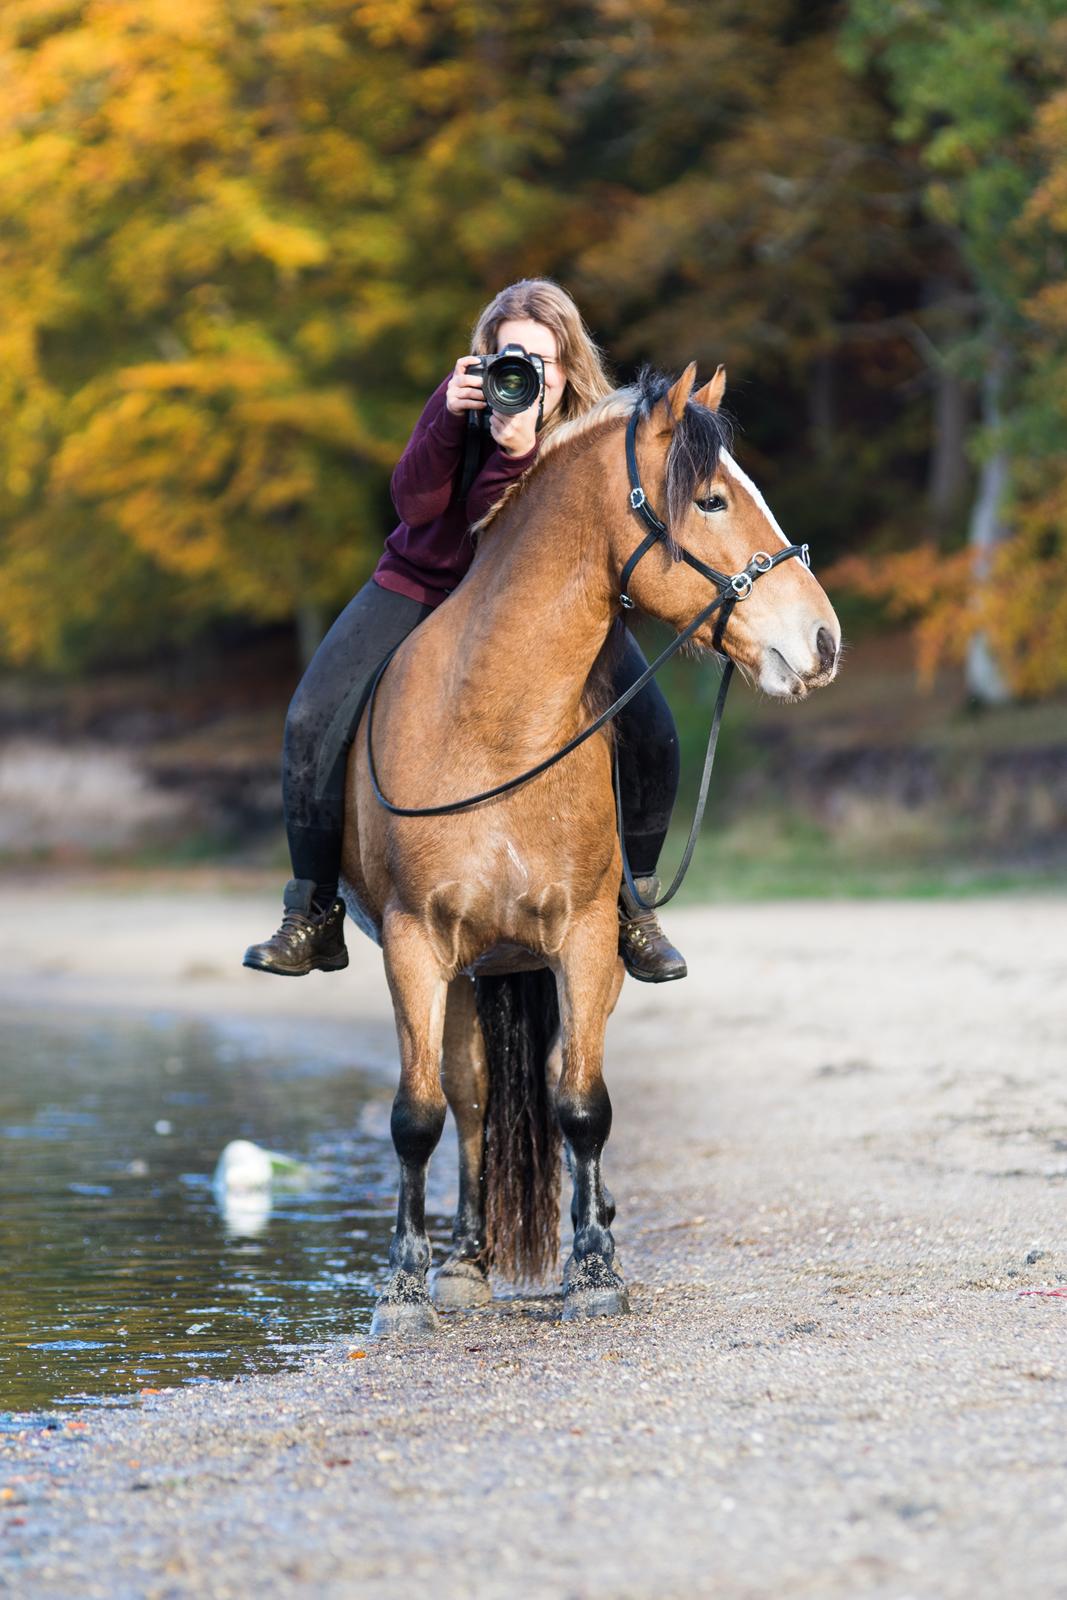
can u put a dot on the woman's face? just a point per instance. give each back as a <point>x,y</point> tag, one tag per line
<point>537,340</point>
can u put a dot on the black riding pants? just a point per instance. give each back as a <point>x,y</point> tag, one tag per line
<point>326,708</point>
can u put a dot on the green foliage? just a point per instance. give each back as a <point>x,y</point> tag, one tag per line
<point>976,90</point>
<point>965,77</point>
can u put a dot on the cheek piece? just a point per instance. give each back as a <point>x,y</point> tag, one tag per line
<point>731,589</point>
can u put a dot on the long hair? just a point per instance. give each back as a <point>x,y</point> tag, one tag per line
<point>545,302</point>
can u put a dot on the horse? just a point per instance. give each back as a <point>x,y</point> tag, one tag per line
<point>498,923</point>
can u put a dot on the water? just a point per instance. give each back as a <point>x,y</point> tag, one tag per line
<point>120,1271</point>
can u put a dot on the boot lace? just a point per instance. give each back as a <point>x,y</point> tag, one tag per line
<point>295,928</point>
<point>642,929</point>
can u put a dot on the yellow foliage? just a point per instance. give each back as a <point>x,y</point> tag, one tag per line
<point>224,228</point>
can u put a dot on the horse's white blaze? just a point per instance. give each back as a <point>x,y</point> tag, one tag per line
<point>746,483</point>
<point>791,651</point>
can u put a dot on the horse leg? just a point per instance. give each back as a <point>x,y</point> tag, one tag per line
<point>609,1198</point>
<point>590,977</point>
<point>418,988</point>
<point>461,1282</point>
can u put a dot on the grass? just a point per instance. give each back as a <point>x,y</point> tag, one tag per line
<point>777,857</point>
<point>966,802</point>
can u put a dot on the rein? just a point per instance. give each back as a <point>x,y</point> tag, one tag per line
<point>731,590</point>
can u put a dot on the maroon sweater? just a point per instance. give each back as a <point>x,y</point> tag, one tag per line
<point>431,549</point>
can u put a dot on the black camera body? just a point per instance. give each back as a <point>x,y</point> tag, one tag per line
<point>512,381</point>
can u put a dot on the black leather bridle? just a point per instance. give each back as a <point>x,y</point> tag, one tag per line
<point>731,591</point>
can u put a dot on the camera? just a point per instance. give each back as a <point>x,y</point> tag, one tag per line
<point>512,381</point>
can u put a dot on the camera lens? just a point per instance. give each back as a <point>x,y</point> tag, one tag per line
<point>512,384</point>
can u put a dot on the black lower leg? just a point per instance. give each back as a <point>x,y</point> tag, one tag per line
<point>608,1197</point>
<point>468,1228</point>
<point>585,1120</point>
<point>416,1128</point>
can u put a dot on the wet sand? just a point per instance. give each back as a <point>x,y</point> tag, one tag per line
<point>840,1158</point>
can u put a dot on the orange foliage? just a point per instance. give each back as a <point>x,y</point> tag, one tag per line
<point>1020,605</point>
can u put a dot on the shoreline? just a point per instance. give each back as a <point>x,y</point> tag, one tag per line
<point>837,1155</point>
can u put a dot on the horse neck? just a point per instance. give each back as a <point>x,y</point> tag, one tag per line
<point>538,604</point>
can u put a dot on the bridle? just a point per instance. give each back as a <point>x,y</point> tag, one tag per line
<point>731,591</point>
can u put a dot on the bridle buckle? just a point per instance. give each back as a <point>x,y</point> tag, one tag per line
<point>637,498</point>
<point>762,561</point>
<point>741,584</point>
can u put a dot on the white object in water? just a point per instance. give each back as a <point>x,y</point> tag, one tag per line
<point>244,1168</point>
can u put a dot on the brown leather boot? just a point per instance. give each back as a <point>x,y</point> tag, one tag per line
<point>645,949</point>
<point>307,941</point>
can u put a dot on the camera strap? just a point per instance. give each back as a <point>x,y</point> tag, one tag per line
<point>472,445</point>
<point>472,454</point>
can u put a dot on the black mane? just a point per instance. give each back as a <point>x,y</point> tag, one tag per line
<point>693,457</point>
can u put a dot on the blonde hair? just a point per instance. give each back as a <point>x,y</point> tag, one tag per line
<point>543,301</point>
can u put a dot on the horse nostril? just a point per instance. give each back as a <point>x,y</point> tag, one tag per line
<point>824,644</point>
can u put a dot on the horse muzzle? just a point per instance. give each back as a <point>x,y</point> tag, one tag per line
<point>790,669</point>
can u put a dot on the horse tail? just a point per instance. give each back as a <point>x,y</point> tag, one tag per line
<point>519,1016</point>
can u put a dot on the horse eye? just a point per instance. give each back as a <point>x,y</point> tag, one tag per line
<point>712,502</point>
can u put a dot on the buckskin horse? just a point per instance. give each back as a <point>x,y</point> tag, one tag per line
<point>497,917</point>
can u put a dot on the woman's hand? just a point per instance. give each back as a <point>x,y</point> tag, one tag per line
<point>515,435</point>
<point>464,392</point>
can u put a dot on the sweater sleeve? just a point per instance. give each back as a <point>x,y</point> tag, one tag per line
<point>497,472</point>
<point>424,478</point>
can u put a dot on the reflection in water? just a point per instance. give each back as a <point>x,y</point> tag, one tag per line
<point>245,1213</point>
<point>123,1267</point>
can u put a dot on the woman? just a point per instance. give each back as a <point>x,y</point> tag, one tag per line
<point>425,557</point>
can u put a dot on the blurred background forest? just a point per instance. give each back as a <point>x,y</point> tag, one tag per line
<point>241,241</point>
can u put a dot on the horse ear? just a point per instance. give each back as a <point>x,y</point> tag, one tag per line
<point>713,391</point>
<point>669,411</point>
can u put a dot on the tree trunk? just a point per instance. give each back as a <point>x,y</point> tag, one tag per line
<point>986,684</point>
<point>948,458</point>
<point>947,470</point>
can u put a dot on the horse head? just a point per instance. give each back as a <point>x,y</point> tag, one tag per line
<point>781,630</point>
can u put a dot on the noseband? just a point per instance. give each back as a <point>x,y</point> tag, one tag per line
<point>730,592</point>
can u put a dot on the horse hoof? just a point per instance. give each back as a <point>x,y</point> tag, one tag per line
<point>580,1304</point>
<point>402,1320</point>
<point>592,1289</point>
<point>460,1286</point>
<point>404,1310</point>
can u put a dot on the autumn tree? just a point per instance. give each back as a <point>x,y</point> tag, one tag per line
<point>755,209</point>
<point>967,79</point>
<point>237,241</point>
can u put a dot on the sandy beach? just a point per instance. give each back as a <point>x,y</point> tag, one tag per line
<point>840,1159</point>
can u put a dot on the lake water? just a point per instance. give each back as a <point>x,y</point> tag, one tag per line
<point>120,1268</point>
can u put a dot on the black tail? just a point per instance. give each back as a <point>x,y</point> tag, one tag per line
<point>519,1015</point>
